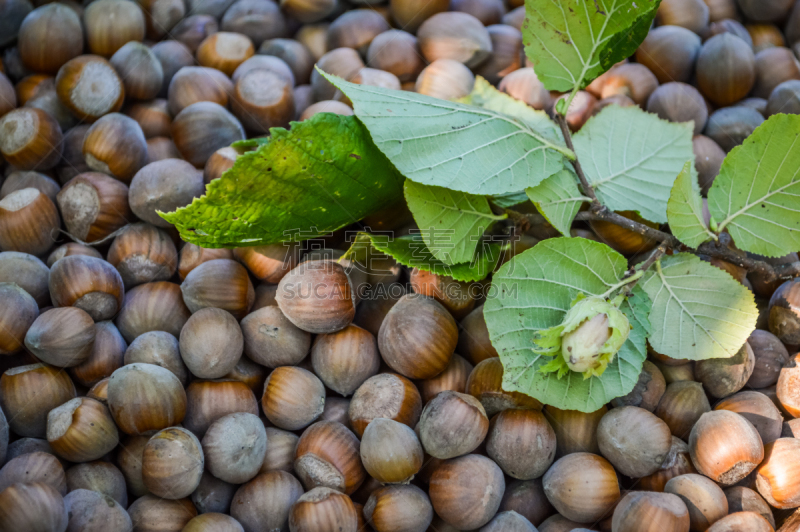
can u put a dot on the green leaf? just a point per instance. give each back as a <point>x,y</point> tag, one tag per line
<point>558,199</point>
<point>322,175</point>
<point>571,42</point>
<point>451,222</point>
<point>631,158</point>
<point>410,250</point>
<point>486,96</point>
<point>533,292</point>
<point>685,210</point>
<point>757,192</point>
<point>699,311</point>
<point>504,201</point>
<point>453,145</point>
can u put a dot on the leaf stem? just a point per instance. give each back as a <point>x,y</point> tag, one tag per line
<point>635,276</point>
<point>712,249</point>
<point>576,164</point>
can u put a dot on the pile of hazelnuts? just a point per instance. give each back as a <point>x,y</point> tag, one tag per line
<point>151,385</point>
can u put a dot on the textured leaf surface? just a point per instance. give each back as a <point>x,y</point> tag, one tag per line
<point>410,250</point>
<point>533,292</point>
<point>571,42</point>
<point>685,211</point>
<point>454,145</point>
<point>509,200</point>
<point>632,158</point>
<point>699,311</point>
<point>451,222</point>
<point>322,175</point>
<point>558,199</point>
<point>756,195</point>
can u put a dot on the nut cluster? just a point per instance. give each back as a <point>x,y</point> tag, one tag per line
<point>153,385</point>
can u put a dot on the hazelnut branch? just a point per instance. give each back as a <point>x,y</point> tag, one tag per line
<point>712,249</point>
<point>576,164</point>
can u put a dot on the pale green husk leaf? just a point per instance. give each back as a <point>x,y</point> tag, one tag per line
<point>458,146</point>
<point>451,222</point>
<point>632,158</point>
<point>699,311</point>
<point>533,292</point>
<point>756,195</point>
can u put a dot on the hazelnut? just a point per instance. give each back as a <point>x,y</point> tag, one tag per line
<point>193,30</point>
<point>634,440</point>
<point>734,522</point>
<point>741,499</point>
<point>265,502</point>
<point>385,395</point>
<point>101,477</point>
<point>141,71</point>
<point>144,398</point>
<point>152,307</point>
<point>172,463</point>
<point>18,180</point>
<point>142,253</point>
<point>220,283</point>
<point>725,447</point>
<point>224,51</point>
<point>682,405</point>
<point>208,401</point>
<point>317,296</point>
<point>112,23</point>
<point>722,377</point>
<point>293,53</point>
<point>202,128</point>
<point>34,467</point>
<point>485,384</point>
<point>62,336</point>
<point>81,430</point>
<point>582,486</point>
<point>192,84</point>
<point>192,256</point>
<point>690,14</point>
<point>390,451</point>
<point>759,410</point>
<point>534,455</point>
<point>152,513</point>
<point>729,126</point>
<point>89,85</point>
<point>446,79</point>
<point>679,102</point>
<point>257,20</point>
<point>18,311</point>
<point>87,283</point>
<point>93,205</point>
<point>345,359</point>
<point>293,397</point>
<point>704,499</point>
<point>466,491</point>
<point>32,507</point>
<point>725,69</point>
<point>327,455</point>
<point>211,343</point>
<point>399,508</point>
<point>28,393</point>
<point>678,462</point>
<point>523,85</point>
<point>323,510</point>
<point>410,14</point>
<point>650,512</point>
<point>670,53</point>
<point>234,447</point>
<point>31,139</point>
<point>49,36</point>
